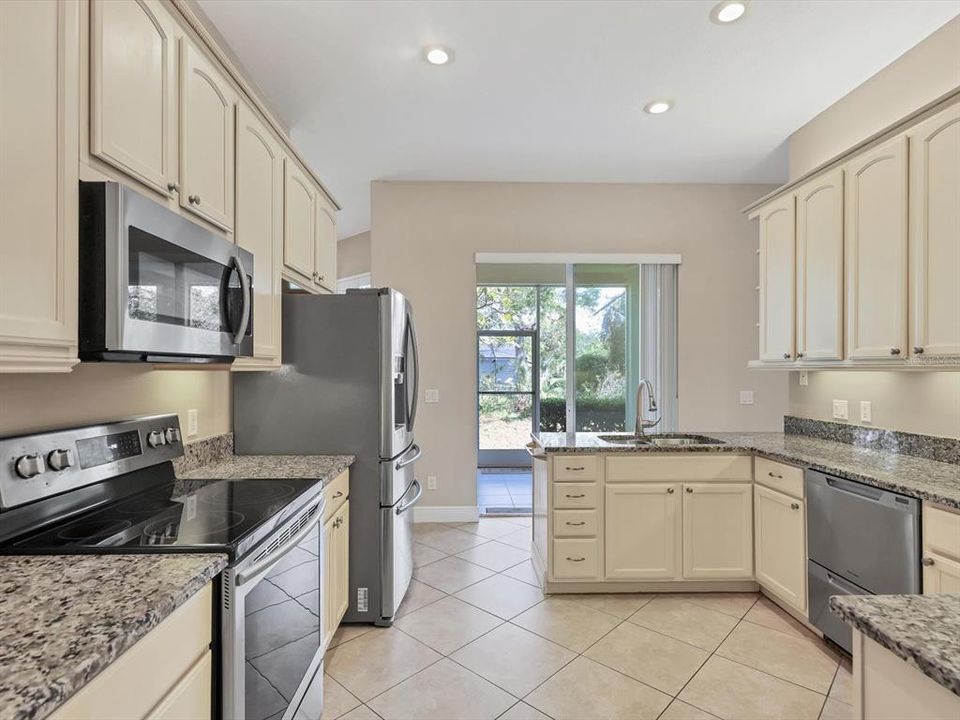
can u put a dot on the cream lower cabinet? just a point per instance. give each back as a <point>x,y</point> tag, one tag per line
<point>642,531</point>
<point>164,676</point>
<point>780,538</point>
<point>717,530</point>
<point>39,139</point>
<point>336,561</point>
<point>259,229</point>
<point>941,550</point>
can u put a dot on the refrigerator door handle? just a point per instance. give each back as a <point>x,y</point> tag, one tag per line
<point>416,373</point>
<point>403,507</point>
<point>404,461</point>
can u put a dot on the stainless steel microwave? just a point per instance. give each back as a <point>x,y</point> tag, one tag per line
<point>156,287</point>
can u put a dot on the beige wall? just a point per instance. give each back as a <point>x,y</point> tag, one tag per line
<point>353,255</point>
<point>919,76</point>
<point>108,391</point>
<point>923,402</point>
<point>424,236</point>
<point>915,401</point>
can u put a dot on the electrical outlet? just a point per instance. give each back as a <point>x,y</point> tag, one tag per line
<point>746,397</point>
<point>840,410</point>
<point>804,378</point>
<point>866,411</point>
<point>431,396</point>
<point>431,482</point>
<point>193,425</point>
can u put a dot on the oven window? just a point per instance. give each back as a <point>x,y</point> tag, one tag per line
<point>171,285</point>
<point>282,630</point>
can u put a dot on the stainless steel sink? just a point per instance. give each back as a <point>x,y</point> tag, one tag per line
<point>623,439</point>
<point>660,440</point>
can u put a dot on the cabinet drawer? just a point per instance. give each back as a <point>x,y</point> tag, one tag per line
<point>336,494</point>
<point>576,467</point>
<point>941,531</point>
<point>574,495</point>
<point>787,479</point>
<point>191,697</point>
<point>574,523</point>
<point>576,559</point>
<point>673,468</point>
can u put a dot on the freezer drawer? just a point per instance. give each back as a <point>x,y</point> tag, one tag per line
<point>823,583</point>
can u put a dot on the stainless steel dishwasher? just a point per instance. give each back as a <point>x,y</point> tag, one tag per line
<point>861,540</point>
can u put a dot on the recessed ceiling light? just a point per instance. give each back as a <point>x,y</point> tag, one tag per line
<point>657,107</point>
<point>437,55</point>
<point>728,11</point>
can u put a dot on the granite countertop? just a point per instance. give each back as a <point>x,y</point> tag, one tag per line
<point>924,630</point>
<point>937,482</point>
<point>64,618</point>
<point>324,468</point>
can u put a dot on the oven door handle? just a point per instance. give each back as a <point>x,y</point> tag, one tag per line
<point>248,574</point>
<point>245,291</point>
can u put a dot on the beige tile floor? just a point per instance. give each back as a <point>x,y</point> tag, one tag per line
<point>476,638</point>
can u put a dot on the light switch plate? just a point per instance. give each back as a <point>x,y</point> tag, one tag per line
<point>431,396</point>
<point>841,410</point>
<point>193,424</point>
<point>431,482</point>
<point>866,411</point>
<point>746,397</point>
<point>804,378</point>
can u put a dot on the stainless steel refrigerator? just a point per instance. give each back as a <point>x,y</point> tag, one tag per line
<point>348,384</point>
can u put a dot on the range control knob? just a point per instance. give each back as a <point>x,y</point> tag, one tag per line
<point>60,459</point>
<point>172,435</point>
<point>155,438</point>
<point>28,466</point>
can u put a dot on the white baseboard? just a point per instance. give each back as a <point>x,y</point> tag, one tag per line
<point>446,513</point>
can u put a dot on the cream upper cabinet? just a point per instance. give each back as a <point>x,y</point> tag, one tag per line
<point>876,251</point>
<point>39,147</point>
<point>642,531</point>
<point>777,256</point>
<point>206,138</point>
<point>133,90</point>
<point>717,530</point>
<point>935,234</point>
<point>259,229</point>
<point>326,244</point>
<point>819,264</point>
<point>780,538</point>
<point>299,224</point>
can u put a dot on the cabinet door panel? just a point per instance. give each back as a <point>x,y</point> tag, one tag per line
<point>132,89</point>
<point>641,531</point>
<point>780,539</point>
<point>717,530</point>
<point>820,268</point>
<point>39,138</point>
<point>326,248</point>
<point>329,579</point>
<point>206,138</point>
<point>942,576</point>
<point>935,233</point>
<point>876,240</point>
<point>777,261</point>
<point>299,223</point>
<point>343,568</point>
<point>259,227</point>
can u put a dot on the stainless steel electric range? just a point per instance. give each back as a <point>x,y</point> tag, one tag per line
<point>112,489</point>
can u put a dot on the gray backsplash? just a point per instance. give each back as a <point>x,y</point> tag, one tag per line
<point>204,452</point>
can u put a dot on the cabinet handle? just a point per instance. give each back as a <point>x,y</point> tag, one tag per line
<point>794,506</point>
<point>669,491</point>
<point>689,489</point>
<point>799,355</point>
<point>894,351</point>
<point>577,524</point>
<point>574,497</point>
<point>917,350</point>
<point>580,559</point>
<point>786,356</point>
<point>173,187</point>
<point>927,562</point>
<point>774,475</point>
<point>322,278</point>
<point>194,199</point>
<point>574,469</point>
<point>338,494</point>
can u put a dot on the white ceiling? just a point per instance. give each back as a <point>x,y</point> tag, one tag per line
<point>553,91</point>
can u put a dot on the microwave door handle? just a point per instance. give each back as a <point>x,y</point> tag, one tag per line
<point>245,292</point>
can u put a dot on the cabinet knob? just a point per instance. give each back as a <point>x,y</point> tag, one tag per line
<point>794,506</point>
<point>917,350</point>
<point>315,275</point>
<point>799,355</point>
<point>194,199</point>
<point>322,278</point>
<point>786,356</point>
<point>173,187</point>
<point>669,491</point>
<point>894,351</point>
<point>927,562</point>
<point>689,490</point>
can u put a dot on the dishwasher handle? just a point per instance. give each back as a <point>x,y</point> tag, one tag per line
<point>854,488</point>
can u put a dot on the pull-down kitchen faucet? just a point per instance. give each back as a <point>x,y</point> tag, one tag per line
<point>642,424</point>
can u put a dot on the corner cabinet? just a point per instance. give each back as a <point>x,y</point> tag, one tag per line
<point>39,137</point>
<point>259,229</point>
<point>780,535</point>
<point>777,257</point>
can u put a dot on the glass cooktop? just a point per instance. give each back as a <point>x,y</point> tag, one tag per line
<point>185,515</point>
